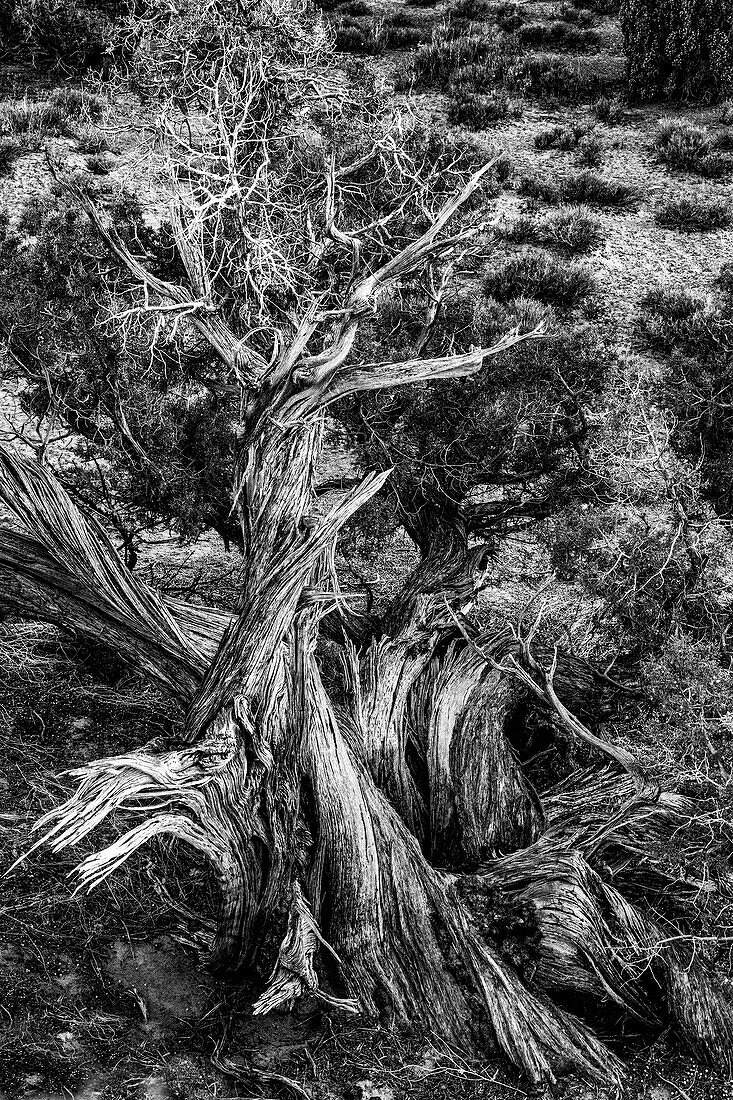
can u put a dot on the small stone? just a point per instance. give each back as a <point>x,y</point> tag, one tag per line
<point>155,1088</point>
<point>369,1090</point>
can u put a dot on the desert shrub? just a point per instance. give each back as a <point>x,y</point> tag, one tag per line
<point>693,213</point>
<point>560,137</point>
<point>578,187</point>
<point>563,79</point>
<point>600,7</point>
<point>91,140</point>
<point>590,151</point>
<point>609,110</point>
<point>403,38</point>
<point>352,37</point>
<point>571,229</point>
<point>76,103</point>
<point>571,14</point>
<point>673,320</point>
<point>510,17</point>
<point>77,33</point>
<point>476,111</point>
<point>537,275</point>
<point>726,113</point>
<point>468,11</point>
<point>33,121</point>
<point>558,35</point>
<point>682,145</point>
<point>10,150</point>
<point>476,61</point>
<point>681,49</point>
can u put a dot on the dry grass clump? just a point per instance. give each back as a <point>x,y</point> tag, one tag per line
<point>570,229</point>
<point>76,103</point>
<point>579,187</point>
<point>559,79</point>
<point>609,109</point>
<point>477,111</point>
<point>559,35</point>
<point>694,214</point>
<point>689,148</point>
<point>537,275</point>
<point>562,137</point>
<point>91,140</point>
<point>33,121</point>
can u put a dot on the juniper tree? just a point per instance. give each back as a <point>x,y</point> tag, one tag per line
<point>383,810</point>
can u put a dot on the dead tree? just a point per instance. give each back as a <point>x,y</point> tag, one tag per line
<point>302,802</point>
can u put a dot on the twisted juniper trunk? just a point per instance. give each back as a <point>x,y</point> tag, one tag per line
<point>344,818</point>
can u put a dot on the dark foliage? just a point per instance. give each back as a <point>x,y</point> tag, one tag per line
<point>609,110</point>
<point>682,49</point>
<point>10,150</point>
<point>167,454</point>
<point>565,80</point>
<point>77,34</point>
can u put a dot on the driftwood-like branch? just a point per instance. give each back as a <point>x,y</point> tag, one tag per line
<point>377,376</point>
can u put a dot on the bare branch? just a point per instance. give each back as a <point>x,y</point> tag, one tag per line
<point>377,376</point>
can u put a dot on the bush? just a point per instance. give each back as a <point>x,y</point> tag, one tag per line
<point>352,37</point>
<point>570,14</point>
<point>609,110</point>
<point>689,148</point>
<point>693,214</point>
<point>724,280</point>
<point>590,151</point>
<point>476,61</point>
<point>100,164</point>
<point>676,321</point>
<point>75,103</point>
<point>560,137</point>
<point>579,187</point>
<point>600,7</point>
<point>559,35</point>
<point>476,111</point>
<point>91,140</point>
<point>571,229</point>
<point>34,121</point>
<point>468,11</point>
<point>682,49</point>
<point>537,275</point>
<point>355,7</point>
<point>559,78</point>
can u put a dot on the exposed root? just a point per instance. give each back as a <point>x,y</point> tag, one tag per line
<point>294,973</point>
<point>407,943</point>
<point>594,941</point>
